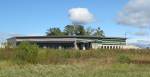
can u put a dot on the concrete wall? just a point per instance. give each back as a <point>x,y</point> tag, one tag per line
<point>12,42</point>
<point>100,46</point>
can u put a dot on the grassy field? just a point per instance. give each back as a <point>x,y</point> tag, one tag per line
<point>31,61</point>
<point>75,70</point>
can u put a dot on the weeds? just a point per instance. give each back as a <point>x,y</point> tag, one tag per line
<point>30,53</point>
<point>122,58</point>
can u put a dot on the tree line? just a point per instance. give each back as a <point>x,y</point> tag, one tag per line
<point>75,30</point>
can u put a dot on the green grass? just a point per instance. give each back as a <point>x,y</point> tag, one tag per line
<point>74,63</point>
<point>76,70</point>
<point>53,56</point>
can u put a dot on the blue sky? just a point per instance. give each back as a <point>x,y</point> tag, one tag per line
<point>34,17</point>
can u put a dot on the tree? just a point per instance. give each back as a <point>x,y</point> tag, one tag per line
<point>74,30</point>
<point>54,32</point>
<point>79,30</point>
<point>99,32</point>
<point>69,30</point>
<point>89,31</point>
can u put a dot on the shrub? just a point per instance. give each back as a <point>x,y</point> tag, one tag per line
<point>122,58</point>
<point>27,52</point>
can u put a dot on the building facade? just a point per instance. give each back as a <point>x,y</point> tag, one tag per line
<point>68,42</point>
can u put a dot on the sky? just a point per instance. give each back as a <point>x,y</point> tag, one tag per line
<point>115,17</point>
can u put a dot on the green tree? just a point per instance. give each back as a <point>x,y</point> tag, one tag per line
<point>69,30</point>
<point>89,31</point>
<point>54,31</point>
<point>79,30</point>
<point>74,30</point>
<point>99,32</point>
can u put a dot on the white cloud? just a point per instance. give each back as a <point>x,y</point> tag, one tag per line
<point>135,13</point>
<point>80,15</point>
<point>142,42</point>
<point>141,33</point>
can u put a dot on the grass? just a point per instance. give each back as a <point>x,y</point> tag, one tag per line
<point>74,63</point>
<point>53,56</point>
<point>76,70</point>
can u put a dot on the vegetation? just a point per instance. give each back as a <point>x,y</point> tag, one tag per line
<point>99,32</point>
<point>76,70</point>
<point>75,30</point>
<point>29,60</point>
<point>27,52</point>
<point>54,31</point>
<point>122,58</point>
<point>32,54</point>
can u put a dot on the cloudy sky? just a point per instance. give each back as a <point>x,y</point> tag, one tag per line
<point>115,17</point>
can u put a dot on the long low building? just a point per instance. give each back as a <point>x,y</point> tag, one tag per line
<point>76,42</point>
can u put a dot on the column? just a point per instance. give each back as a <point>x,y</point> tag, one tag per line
<point>83,47</point>
<point>75,45</point>
<point>60,47</point>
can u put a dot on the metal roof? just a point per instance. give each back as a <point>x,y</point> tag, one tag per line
<point>82,37</point>
<point>56,40</point>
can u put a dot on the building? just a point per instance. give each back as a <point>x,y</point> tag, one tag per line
<point>66,42</point>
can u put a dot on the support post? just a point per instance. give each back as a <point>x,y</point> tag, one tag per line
<point>75,45</point>
<point>60,47</point>
<point>83,47</point>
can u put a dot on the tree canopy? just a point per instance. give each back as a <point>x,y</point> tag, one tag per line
<point>74,30</point>
<point>54,32</point>
<point>99,32</point>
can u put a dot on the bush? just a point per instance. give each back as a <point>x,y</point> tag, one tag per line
<point>123,58</point>
<point>27,52</point>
